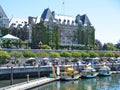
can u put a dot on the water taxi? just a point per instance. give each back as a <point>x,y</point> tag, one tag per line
<point>69,74</point>
<point>88,72</point>
<point>104,70</point>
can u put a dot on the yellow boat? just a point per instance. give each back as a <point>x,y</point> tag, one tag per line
<point>69,74</point>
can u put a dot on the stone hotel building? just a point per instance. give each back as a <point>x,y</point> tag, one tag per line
<point>71,31</point>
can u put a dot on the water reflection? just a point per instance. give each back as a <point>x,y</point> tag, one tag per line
<point>109,83</point>
<point>99,83</point>
<point>71,85</point>
<point>87,84</point>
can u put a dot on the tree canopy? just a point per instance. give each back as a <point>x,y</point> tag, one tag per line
<point>65,54</point>
<point>54,54</point>
<point>29,54</point>
<point>41,54</point>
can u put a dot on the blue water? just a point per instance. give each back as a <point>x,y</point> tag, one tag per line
<point>98,83</point>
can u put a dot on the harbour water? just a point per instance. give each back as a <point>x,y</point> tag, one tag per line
<point>98,83</point>
<point>4,83</point>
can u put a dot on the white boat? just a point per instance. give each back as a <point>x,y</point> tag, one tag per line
<point>89,72</point>
<point>104,71</point>
<point>69,75</point>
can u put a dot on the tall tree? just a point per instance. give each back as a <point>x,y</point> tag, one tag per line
<point>98,44</point>
<point>80,34</point>
<point>118,44</point>
<point>38,34</point>
<point>4,31</point>
<point>16,55</point>
<point>109,46</point>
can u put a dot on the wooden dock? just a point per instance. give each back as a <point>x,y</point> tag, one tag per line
<point>30,84</point>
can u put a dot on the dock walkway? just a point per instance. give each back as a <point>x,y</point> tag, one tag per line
<point>30,84</point>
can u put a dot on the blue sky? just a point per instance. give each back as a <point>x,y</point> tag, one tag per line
<point>103,14</point>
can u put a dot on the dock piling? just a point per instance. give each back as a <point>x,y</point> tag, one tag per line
<point>11,76</point>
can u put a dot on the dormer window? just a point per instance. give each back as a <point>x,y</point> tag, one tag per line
<point>68,22</point>
<point>64,20</point>
<point>59,20</point>
<point>72,22</point>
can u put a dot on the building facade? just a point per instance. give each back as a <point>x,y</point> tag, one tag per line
<point>55,30</point>
<point>72,31</point>
<point>4,21</point>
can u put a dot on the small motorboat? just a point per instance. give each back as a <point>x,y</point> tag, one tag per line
<point>104,70</point>
<point>89,72</point>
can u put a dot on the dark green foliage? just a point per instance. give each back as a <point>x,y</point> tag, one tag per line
<point>54,54</point>
<point>65,54</point>
<point>4,31</point>
<point>3,57</point>
<point>80,34</point>
<point>86,36</point>
<point>38,34</point>
<point>109,46</point>
<point>109,54</point>
<point>47,35</point>
<point>93,54</point>
<point>16,54</point>
<point>76,54</point>
<point>28,54</point>
<point>56,37</point>
<point>117,55</point>
<point>84,54</point>
<point>41,54</point>
<point>101,54</point>
<point>118,44</point>
<point>45,47</point>
<point>98,44</point>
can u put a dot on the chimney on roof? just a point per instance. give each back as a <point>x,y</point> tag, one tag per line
<point>78,19</point>
<point>31,20</point>
<point>53,14</point>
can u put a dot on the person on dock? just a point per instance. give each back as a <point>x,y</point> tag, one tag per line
<point>72,74</point>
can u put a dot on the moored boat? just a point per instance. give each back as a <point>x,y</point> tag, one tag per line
<point>104,71</point>
<point>89,72</point>
<point>69,74</point>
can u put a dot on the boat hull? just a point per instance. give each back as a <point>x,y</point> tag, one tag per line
<point>69,78</point>
<point>105,74</point>
<point>88,76</point>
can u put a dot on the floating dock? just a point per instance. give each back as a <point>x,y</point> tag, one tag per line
<point>115,72</point>
<point>30,84</point>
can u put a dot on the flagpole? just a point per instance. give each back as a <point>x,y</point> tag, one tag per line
<point>63,6</point>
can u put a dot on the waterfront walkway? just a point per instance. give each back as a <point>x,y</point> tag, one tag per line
<point>30,84</point>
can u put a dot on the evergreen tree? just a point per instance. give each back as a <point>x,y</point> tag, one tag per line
<point>38,34</point>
